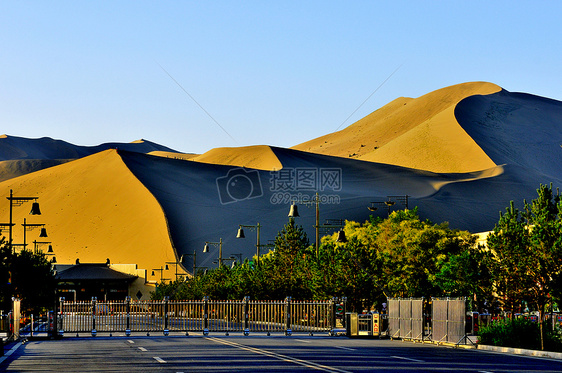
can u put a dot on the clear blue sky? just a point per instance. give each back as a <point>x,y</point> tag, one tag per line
<point>269,72</point>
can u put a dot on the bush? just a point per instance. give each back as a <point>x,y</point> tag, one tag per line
<point>520,333</point>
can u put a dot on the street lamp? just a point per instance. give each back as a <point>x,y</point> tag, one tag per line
<point>293,213</point>
<point>390,202</point>
<point>18,201</point>
<point>50,251</point>
<point>194,255</point>
<point>251,227</point>
<point>219,245</point>
<point>30,227</point>
<point>161,269</point>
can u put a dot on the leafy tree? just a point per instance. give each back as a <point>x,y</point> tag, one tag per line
<point>527,252</point>
<point>28,276</point>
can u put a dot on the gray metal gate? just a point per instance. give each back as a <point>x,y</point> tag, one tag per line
<point>449,318</point>
<point>405,317</point>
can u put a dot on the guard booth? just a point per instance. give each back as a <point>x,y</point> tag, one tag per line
<point>362,325</point>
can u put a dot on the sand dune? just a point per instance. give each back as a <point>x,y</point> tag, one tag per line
<point>259,157</point>
<point>460,154</point>
<point>94,209</point>
<point>420,133</point>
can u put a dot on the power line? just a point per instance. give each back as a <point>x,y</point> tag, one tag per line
<point>198,104</point>
<point>367,99</point>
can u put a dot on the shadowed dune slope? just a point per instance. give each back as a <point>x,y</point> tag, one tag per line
<point>207,202</point>
<point>93,208</point>
<point>20,156</point>
<point>516,128</point>
<point>13,147</point>
<point>15,168</point>
<point>419,133</point>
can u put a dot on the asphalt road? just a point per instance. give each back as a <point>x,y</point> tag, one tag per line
<point>257,353</point>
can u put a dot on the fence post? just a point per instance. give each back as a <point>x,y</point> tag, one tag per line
<point>246,315</point>
<point>205,316</point>
<point>128,310</point>
<point>333,307</point>
<point>288,330</point>
<point>166,301</point>
<point>60,317</point>
<point>344,311</point>
<point>94,301</point>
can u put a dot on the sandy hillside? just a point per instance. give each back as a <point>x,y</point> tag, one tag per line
<point>260,157</point>
<point>420,133</point>
<point>94,209</point>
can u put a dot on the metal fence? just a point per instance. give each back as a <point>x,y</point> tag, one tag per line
<point>449,320</point>
<point>405,318</point>
<point>285,316</point>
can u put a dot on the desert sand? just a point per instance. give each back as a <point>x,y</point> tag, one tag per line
<point>94,209</point>
<point>420,133</point>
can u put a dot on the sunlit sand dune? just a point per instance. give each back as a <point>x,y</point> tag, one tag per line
<point>420,133</point>
<point>260,157</point>
<point>94,209</point>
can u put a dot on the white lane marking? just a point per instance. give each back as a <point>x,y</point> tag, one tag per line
<point>303,340</point>
<point>407,358</point>
<point>305,363</point>
<point>143,349</point>
<point>484,371</point>
<point>345,348</point>
<point>131,342</point>
<point>159,359</point>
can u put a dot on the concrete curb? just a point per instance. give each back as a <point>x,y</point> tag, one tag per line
<point>521,351</point>
<point>9,352</point>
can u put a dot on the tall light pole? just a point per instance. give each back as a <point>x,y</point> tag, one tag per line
<point>219,245</point>
<point>30,227</point>
<point>241,235</point>
<point>50,251</point>
<point>194,255</point>
<point>161,269</point>
<point>294,213</point>
<point>18,201</point>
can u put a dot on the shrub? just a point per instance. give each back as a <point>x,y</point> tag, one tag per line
<point>520,333</point>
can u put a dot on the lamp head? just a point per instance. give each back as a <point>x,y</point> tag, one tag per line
<point>294,212</point>
<point>35,209</point>
<point>341,237</point>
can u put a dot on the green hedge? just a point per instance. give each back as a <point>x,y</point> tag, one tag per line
<point>520,333</point>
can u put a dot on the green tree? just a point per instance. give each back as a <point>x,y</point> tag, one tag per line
<point>28,276</point>
<point>527,252</point>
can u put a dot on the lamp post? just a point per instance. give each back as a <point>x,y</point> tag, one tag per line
<point>161,269</point>
<point>251,227</point>
<point>194,255</point>
<point>219,245</point>
<point>293,213</point>
<point>390,202</point>
<point>30,227</point>
<point>50,251</point>
<point>18,201</point>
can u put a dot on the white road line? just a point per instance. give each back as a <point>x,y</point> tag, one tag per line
<point>345,348</point>
<point>303,340</point>
<point>143,349</point>
<point>407,358</point>
<point>159,359</point>
<point>130,341</point>
<point>305,363</point>
<point>484,371</point>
